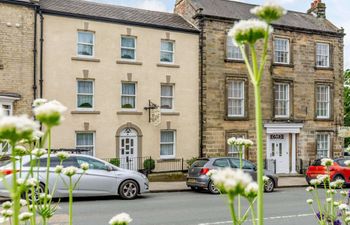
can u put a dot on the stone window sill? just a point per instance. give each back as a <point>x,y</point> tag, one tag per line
<point>129,62</point>
<point>86,59</point>
<point>129,113</point>
<point>234,60</point>
<point>170,113</point>
<point>168,65</point>
<point>324,119</point>
<point>282,65</point>
<point>170,159</point>
<point>85,112</point>
<point>245,118</point>
<point>324,68</point>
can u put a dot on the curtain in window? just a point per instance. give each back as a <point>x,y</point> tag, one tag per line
<point>322,145</point>
<point>232,51</point>
<point>166,97</point>
<point>167,143</point>
<point>166,51</point>
<point>85,141</point>
<point>128,95</point>
<point>85,37</point>
<point>128,42</point>
<point>322,101</point>
<point>85,94</point>
<point>167,46</point>
<point>128,48</point>
<point>236,98</point>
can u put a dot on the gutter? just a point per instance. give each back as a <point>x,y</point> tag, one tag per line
<point>35,51</point>
<point>201,63</point>
<point>41,51</point>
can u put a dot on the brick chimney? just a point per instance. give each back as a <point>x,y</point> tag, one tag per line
<point>318,8</point>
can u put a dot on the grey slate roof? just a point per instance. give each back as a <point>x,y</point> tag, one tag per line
<point>241,11</point>
<point>119,14</point>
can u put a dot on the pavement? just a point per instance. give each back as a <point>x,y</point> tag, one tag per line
<point>285,206</point>
<point>174,186</point>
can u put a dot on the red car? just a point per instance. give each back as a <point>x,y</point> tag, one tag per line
<point>338,171</point>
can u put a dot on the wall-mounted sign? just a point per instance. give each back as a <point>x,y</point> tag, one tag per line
<point>344,132</point>
<point>276,136</point>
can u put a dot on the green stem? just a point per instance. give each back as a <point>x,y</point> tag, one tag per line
<point>15,195</point>
<point>264,56</point>
<point>70,201</point>
<point>253,212</point>
<point>260,157</point>
<point>48,166</point>
<point>239,196</point>
<point>246,60</point>
<point>232,209</point>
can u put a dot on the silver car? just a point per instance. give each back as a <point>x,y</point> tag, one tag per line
<point>102,178</point>
<point>198,179</point>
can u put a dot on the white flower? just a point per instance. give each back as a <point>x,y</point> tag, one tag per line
<point>20,150</point>
<point>343,207</point>
<point>120,219</point>
<point>22,202</point>
<point>229,180</point>
<point>248,31</point>
<point>339,183</point>
<point>347,163</point>
<point>58,169</point>
<point>327,162</point>
<point>315,182</point>
<point>251,191</point>
<point>37,134</point>
<point>309,201</point>
<point>310,189</point>
<point>6,213</point>
<point>42,196</point>
<point>239,142</point>
<point>336,203</point>
<point>3,220</point>
<point>333,192</point>
<point>25,216</point>
<point>50,113</point>
<point>323,178</point>
<point>84,166</point>
<point>343,193</point>
<point>70,171</point>
<point>266,179</point>
<point>333,184</point>
<point>347,219</point>
<point>32,182</point>
<point>62,155</point>
<point>6,205</point>
<point>20,181</point>
<point>39,101</point>
<point>269,11</point>
<point>38,152</point>
<point>328,200</point>
<point>347,213</point>
<point>17,127</point>
<point>211,172</point>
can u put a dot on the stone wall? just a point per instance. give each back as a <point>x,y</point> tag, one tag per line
<point>16,54</point>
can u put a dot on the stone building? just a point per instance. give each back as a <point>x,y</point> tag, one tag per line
<point>302,88</point>
<point>108,64</point>
<point>16,57</point>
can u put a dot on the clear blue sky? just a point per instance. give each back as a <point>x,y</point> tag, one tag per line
<point>338,12</point>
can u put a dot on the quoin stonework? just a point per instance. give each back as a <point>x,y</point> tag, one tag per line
<point>302,88</point>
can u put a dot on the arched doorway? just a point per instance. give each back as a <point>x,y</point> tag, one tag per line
<point>128,149</point>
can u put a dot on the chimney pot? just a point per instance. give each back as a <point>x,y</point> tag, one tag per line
<point>318,8</point>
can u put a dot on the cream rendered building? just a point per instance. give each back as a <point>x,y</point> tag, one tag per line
<point>105,63</point>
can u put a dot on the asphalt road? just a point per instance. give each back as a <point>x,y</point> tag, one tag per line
<point>285,206</point>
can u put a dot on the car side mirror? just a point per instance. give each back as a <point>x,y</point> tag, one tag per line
<point>109,168</point>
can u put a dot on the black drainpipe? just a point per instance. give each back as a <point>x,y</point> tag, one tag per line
<point>35,51</point>
<point>201,46</point>
<point>41,52</point>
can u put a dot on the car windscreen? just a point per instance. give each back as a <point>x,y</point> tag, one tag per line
<point>4,160</point>
<point>199,163</point>
<point>317,162</point>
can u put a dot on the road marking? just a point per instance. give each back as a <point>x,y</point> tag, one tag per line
<point>267,218</point>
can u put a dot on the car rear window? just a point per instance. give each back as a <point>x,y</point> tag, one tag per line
<point>317,162</point>
<point>199,163</point>
<point>221,163</point>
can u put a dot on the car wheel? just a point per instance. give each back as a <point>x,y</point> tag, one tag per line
<point>269,185</point>
<point>128,189</point>
<point>212,188</point>
<point>37,191</point>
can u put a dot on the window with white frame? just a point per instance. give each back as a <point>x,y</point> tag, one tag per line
<point>281,48</point>
<point>323,101</point>
<point>86,141</point>
<point>235,99</point>
<point>128,47</point>
<point>281,99</point>
<point>6,108</point>
<point>128,95</point>
<point>167,144</point>
<point>167,51</point>
<point>233,151</point>
<point>167,97</point>
<point>322,55</point>
<point>232,51</point>
<point>323,145</point>
<point>85,43</point>
<point>85,94</point>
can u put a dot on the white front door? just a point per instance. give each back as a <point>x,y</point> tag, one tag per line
<point>128,149</point>
<point>278,146</point>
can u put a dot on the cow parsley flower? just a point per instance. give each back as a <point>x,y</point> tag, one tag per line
<point>120,219</point>
<point>347,163</point>
<point>42,196</point>
<point>343,193</point>
<point>62,155</point>
<point>251,191</point>
<point>22,202</point>
<point>315,182</point>
<point>39,101</point>
<point>50,113</point>
<point>20,150</point>
<point>17,127</point>
<point>38,152</point>
<point>239,142</point>
<point>84,166</point>
<point>37,134</point>
<point>347,220</point>
<point>323,178</point>
<point>58,169</point>
<point>328,200</point>
<point>343,207</point>
<point>20,181</point>
<point>25,216</point>
<point>231,181</point>
<point>310,189</point>
<point>268,11</point>
<point>6,213</point>
<point>32,182</point>
<point>309,201</point>
<point>70,171</point>
<point>6,205</point>
<point>249,31</point>
<point>327,162</point>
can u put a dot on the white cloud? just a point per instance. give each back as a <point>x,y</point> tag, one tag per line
<point>155,5</point>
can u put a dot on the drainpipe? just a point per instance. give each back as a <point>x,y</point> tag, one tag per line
<point>35,51</point>
<point>41,51</point>
<point>201,47</point>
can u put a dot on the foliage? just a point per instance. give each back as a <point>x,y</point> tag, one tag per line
<point>149,164</point>
<point>115,162</point>
<point>347,103</point>
<point>190,161</point>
